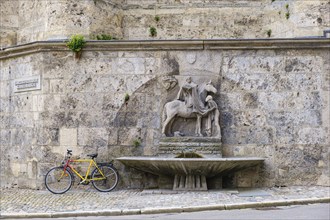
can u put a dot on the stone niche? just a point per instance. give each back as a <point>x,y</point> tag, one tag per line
<point>273,103</point>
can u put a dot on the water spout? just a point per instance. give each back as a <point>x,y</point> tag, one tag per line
<point>188,154</point>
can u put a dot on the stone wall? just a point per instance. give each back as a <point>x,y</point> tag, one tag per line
<point>27,21</point>
<point>226,19</point>
<point>274,103</point>
<point>8,23</point>
<point>49,20</point>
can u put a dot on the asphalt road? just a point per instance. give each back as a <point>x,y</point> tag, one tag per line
<point>306,212</point>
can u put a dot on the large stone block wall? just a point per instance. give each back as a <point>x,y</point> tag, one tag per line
<point>226,19</point>
<point>273,104</point>
<point>8,23</point>
<point>36,20</point>
<point>26,21</point>
<point>279,106</point>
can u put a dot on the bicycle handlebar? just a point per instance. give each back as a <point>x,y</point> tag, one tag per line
<point>69,152</point>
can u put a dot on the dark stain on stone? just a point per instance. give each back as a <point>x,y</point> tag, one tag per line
<point>251,100</point>
<point>226,119</point>
<point>290,66</point>
<point>173,63</point>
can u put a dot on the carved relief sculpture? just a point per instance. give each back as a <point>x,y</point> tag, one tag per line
<point>193,101</point>
<point>169,82</point>
<point>213,116</point>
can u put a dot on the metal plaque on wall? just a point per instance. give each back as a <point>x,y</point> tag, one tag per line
<point>27,84</point>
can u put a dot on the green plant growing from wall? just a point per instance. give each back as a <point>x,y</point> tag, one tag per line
<point>126,97</point>
<point>157,18</point>
<point>136,143</point>
<point>76,43</point>
<point>153,31</point>
<point>269,32</point>
<point>105,37</point>
<point>287,15</point>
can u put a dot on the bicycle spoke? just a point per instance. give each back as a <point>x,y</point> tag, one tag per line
<point>109,180</point>
<point>58,180</point>
<point>110,174</point>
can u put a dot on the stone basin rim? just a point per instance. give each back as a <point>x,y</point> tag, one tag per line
<point>191,159</point>
<point>208,167</point>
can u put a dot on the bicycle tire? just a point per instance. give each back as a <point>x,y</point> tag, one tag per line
<point>111,180</point>
<point>57,182</point>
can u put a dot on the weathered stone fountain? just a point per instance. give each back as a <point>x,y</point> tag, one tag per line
<point>190,155</point>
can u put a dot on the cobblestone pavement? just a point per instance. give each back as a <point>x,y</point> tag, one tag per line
<point>24,201</point>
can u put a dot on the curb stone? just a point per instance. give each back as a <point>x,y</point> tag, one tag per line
<point>246,205</point>
<point>25,215</point>
<point>276,203</point>
<point>117,212</point>
<point>112,212</point>
<point>73,214</point>
<point>131,211</point>
<point>311,200</point>
<point>161,210</point>
<point>204,208</point>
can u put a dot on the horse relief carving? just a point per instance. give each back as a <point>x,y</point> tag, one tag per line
<point>193,101</point>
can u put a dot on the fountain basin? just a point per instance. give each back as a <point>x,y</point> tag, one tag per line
<point>208,167</point>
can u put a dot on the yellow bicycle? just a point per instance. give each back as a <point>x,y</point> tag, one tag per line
<point>60,179</point>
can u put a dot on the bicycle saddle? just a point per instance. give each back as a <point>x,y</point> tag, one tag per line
<point>92,155</point>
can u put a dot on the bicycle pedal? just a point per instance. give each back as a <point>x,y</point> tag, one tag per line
<point>83,182</point>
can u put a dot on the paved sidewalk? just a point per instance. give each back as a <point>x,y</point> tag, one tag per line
<point>86,201</point>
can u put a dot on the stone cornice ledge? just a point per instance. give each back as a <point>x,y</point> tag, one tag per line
<point>147,45</point>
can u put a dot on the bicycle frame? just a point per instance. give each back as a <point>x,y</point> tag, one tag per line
<point>91,164</point>
<point>103,176</point>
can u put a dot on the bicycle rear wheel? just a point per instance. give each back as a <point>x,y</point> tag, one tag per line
<point>109,182</point>
<point>58,180</point>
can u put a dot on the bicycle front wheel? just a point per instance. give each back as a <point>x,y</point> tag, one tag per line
<point>58,180</point>
<point>106,182</point>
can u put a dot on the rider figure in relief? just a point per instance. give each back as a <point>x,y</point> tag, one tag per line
<point>189,94</point>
